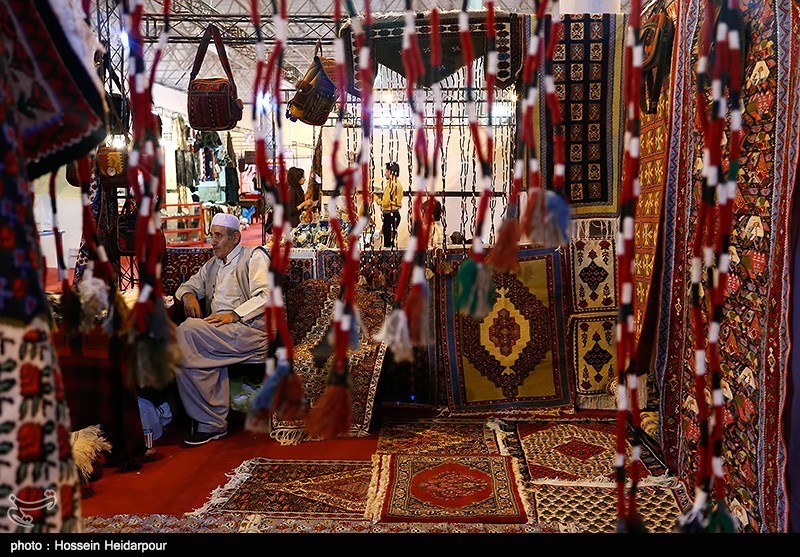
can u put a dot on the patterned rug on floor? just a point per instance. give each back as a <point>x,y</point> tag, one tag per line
<point>575,451</point>
<point>447,436</point>
<point>335,489</point>
<point>511,364</point>
<point>224,523</point>
<point>433,488</point>
<point>591,507</point>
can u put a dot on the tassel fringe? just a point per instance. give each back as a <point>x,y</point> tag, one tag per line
<point>87,444</point>
<point>330,417</point>
<point>503,257</point>
<point>395,334</point>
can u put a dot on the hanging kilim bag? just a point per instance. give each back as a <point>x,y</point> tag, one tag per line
<point>316,92</point>
<point>112,167</point>
<point>657,37</point>
<point>214,103</point>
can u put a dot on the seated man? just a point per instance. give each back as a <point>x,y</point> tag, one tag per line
<point>235,287</point>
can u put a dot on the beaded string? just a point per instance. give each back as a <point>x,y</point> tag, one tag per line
<point>713,243</point>
<point>474,281</point>
<point>504,255</point>
<point>331,415</point>
<point>628,400</point>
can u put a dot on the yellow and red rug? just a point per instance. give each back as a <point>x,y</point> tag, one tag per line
<point>448,489</point>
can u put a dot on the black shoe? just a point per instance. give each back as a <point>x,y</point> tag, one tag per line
<point>203,437</point>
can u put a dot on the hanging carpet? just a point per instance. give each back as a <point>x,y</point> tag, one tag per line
<point>587,69</point>
<point>594,357</point>
<point>513,362</point>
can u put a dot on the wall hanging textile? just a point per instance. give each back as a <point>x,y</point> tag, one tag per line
<point>513,362</point>
<point>753,338</point>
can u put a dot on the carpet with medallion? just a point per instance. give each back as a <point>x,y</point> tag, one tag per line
<point>438,488</point>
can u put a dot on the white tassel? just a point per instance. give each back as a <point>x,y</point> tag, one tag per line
<point>93,294</point>
<point>394,333</point>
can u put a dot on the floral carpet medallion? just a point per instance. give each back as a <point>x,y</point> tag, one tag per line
<point>424,488</point>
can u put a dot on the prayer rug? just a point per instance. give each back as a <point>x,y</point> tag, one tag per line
<point>591,507</point>
<point>587,69</point>
<point>225,523</point>
<point>428,488</point>
<point>574,451</point>
<point>438,437</point>
<point>310,312</point>
<point>594,357</point>
<point>753,338</point>
<point>285,488</point>
<point>513,362</point>
<point>593,264</point>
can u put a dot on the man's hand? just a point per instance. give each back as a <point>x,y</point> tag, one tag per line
<point>191,307</point>
<point>219,319</point>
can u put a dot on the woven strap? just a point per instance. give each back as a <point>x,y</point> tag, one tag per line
<point>212,32</point>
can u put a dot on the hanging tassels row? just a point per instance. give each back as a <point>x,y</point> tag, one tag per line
<point>629,519</point>
<point>154,353</point>
<point>474,288</point>
<point>331,414</point>
<point>712,242</point>
<point>282,392</point>
<point>407,325</point>
<point>504,254</point>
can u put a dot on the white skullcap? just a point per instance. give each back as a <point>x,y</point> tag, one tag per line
<point>227,220</point>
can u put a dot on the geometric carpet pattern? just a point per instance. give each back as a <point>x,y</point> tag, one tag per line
<point>433,488</point>
<point>295,488</point>
<point>437,436</point>
<point>570,451</point>
<point>592,508</point>
<point>163,524</point>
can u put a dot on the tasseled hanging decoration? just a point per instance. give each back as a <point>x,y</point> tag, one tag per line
<point>556,202</point>
<point>474,280</point>
<point>282,392</point>
<point>715,258</point>
<point>70,302</point>
<point>331,414</point>
<point>408,324</point>
<point>154,353</point>
<point>503,257</point>
<point>628,517</point>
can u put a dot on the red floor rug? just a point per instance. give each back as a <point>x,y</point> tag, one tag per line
<point>428,488</point>
<point>294,489</point>
<point>574,451</point>
<point>447,436</point>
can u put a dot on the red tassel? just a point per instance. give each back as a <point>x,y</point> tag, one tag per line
<point>414,306</point>
<point>290,398</point>
<point>331,415</point>
<point>503,257</point>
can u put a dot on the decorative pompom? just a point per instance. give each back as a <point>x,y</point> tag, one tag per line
<point>265,397</point>
<point>154,354</point>
<point>416,309</point>
<point>722,521</point>
<point>290,401</point>
<point>558,219</point>
<point>503,257</point>
<point>474,289</point>
<point>395,334</point>
<point>70,310</point>
<point>87,444</point>
<point>695,521</point>
<point>331,415</point>
<point>93,295</point>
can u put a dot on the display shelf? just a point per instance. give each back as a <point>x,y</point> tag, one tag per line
<point>183,214</point>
